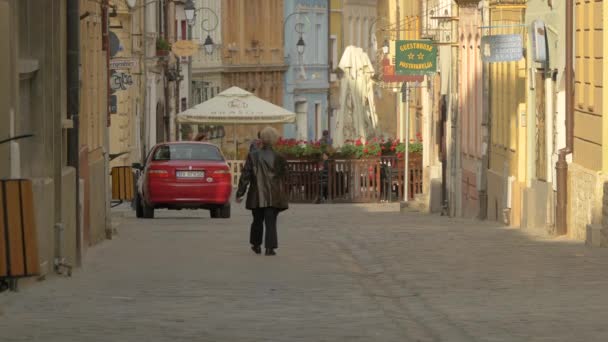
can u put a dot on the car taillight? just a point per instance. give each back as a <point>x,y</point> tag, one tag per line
<point>221,172</point>
<point>158,173</point>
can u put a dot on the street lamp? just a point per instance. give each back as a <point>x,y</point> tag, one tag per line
<point>208,45</point>
<point>190,11</point>
<point>131,3</point>
<point>300,28</point>
<point>301,46</point>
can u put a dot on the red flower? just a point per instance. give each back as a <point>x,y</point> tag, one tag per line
<point>379,153</point>
<point>393,148</point>
<point>358,142</point>
<point>365,150</point>
<point>383,148</point>
<point>399,155</point>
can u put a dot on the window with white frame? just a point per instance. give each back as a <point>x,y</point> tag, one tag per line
<point>318,42</point>
<point>334,51</point>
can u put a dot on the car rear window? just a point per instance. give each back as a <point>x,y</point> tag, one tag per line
<point>187,152</point>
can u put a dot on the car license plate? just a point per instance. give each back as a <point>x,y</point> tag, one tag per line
<point>190,174</point>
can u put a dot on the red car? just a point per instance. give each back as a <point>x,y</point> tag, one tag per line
<point>184,175</point>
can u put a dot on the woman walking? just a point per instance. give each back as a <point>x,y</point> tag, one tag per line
<point>264,178</point>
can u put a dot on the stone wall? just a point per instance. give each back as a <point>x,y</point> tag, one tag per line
<point>585,200</point>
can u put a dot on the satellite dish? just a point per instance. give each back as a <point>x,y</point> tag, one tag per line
<point>131,3</point>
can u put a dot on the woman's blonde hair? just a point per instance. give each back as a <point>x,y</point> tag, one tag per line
<point>269,136</point>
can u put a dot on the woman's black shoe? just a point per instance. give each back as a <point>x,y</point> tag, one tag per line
<point>256,249</point>
<point>270,251</point>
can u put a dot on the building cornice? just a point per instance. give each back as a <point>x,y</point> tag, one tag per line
<point>211,70</point>
<point>467,3</point>
<point>254,68</point>
<point>297,90</point>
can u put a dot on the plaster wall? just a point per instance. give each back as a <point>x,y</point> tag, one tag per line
<point>539,196</point>
<point>306,79</point>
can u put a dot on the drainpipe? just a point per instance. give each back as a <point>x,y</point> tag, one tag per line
<point>561,167</point>
<point>485,125</point>
<point>106,142</point>
<point>73,106</point>
<point>329,69</point>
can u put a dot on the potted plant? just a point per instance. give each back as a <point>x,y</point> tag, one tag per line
<point>162,47</point>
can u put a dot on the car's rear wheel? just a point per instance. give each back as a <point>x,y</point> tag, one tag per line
<point>214,212</point>
<point>139,210</point>
<point>225,211</point>
<point>148,211</point>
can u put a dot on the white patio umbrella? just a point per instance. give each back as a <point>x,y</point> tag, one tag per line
<point>357,116</point>
<point>236,106</point>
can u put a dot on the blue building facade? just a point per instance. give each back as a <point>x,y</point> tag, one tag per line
<point>306,80</point>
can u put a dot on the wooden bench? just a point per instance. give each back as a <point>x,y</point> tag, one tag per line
<point>18,238</point>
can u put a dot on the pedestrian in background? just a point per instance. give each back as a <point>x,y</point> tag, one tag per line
<point>201,137</point>
<point>326,139</point>
<point>323,179</point>
<point>264,178</point>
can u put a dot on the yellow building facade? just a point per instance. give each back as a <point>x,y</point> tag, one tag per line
<point>587,172</point>
<point>506,176</point>
<point>94,122</point>
<point>252,57</point>
<point>396,20</point>
<point>126,77</point>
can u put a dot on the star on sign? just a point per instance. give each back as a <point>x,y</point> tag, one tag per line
<point>410,56</point>
<point>421,56</point>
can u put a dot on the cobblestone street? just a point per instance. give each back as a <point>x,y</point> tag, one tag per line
<point>343,273</point>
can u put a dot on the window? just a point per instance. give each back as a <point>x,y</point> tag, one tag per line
<point>318,42</point>
<point>357,34</point>
<point>184,32</point>
<point>351,31</point>
<point>334,52</point>
<point>318,121</point>
<point>302,120</point>
<point>187,152</point>
<point>160,22</point>
<point>365,33</point>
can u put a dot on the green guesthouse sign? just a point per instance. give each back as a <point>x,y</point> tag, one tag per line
<point>415,57</point>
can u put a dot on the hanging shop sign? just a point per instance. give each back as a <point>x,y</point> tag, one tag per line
<point>502,48</point>
<point>389,76</point>
<point>184,48</point>
<point>123,63</point>
<point>415,57</point>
